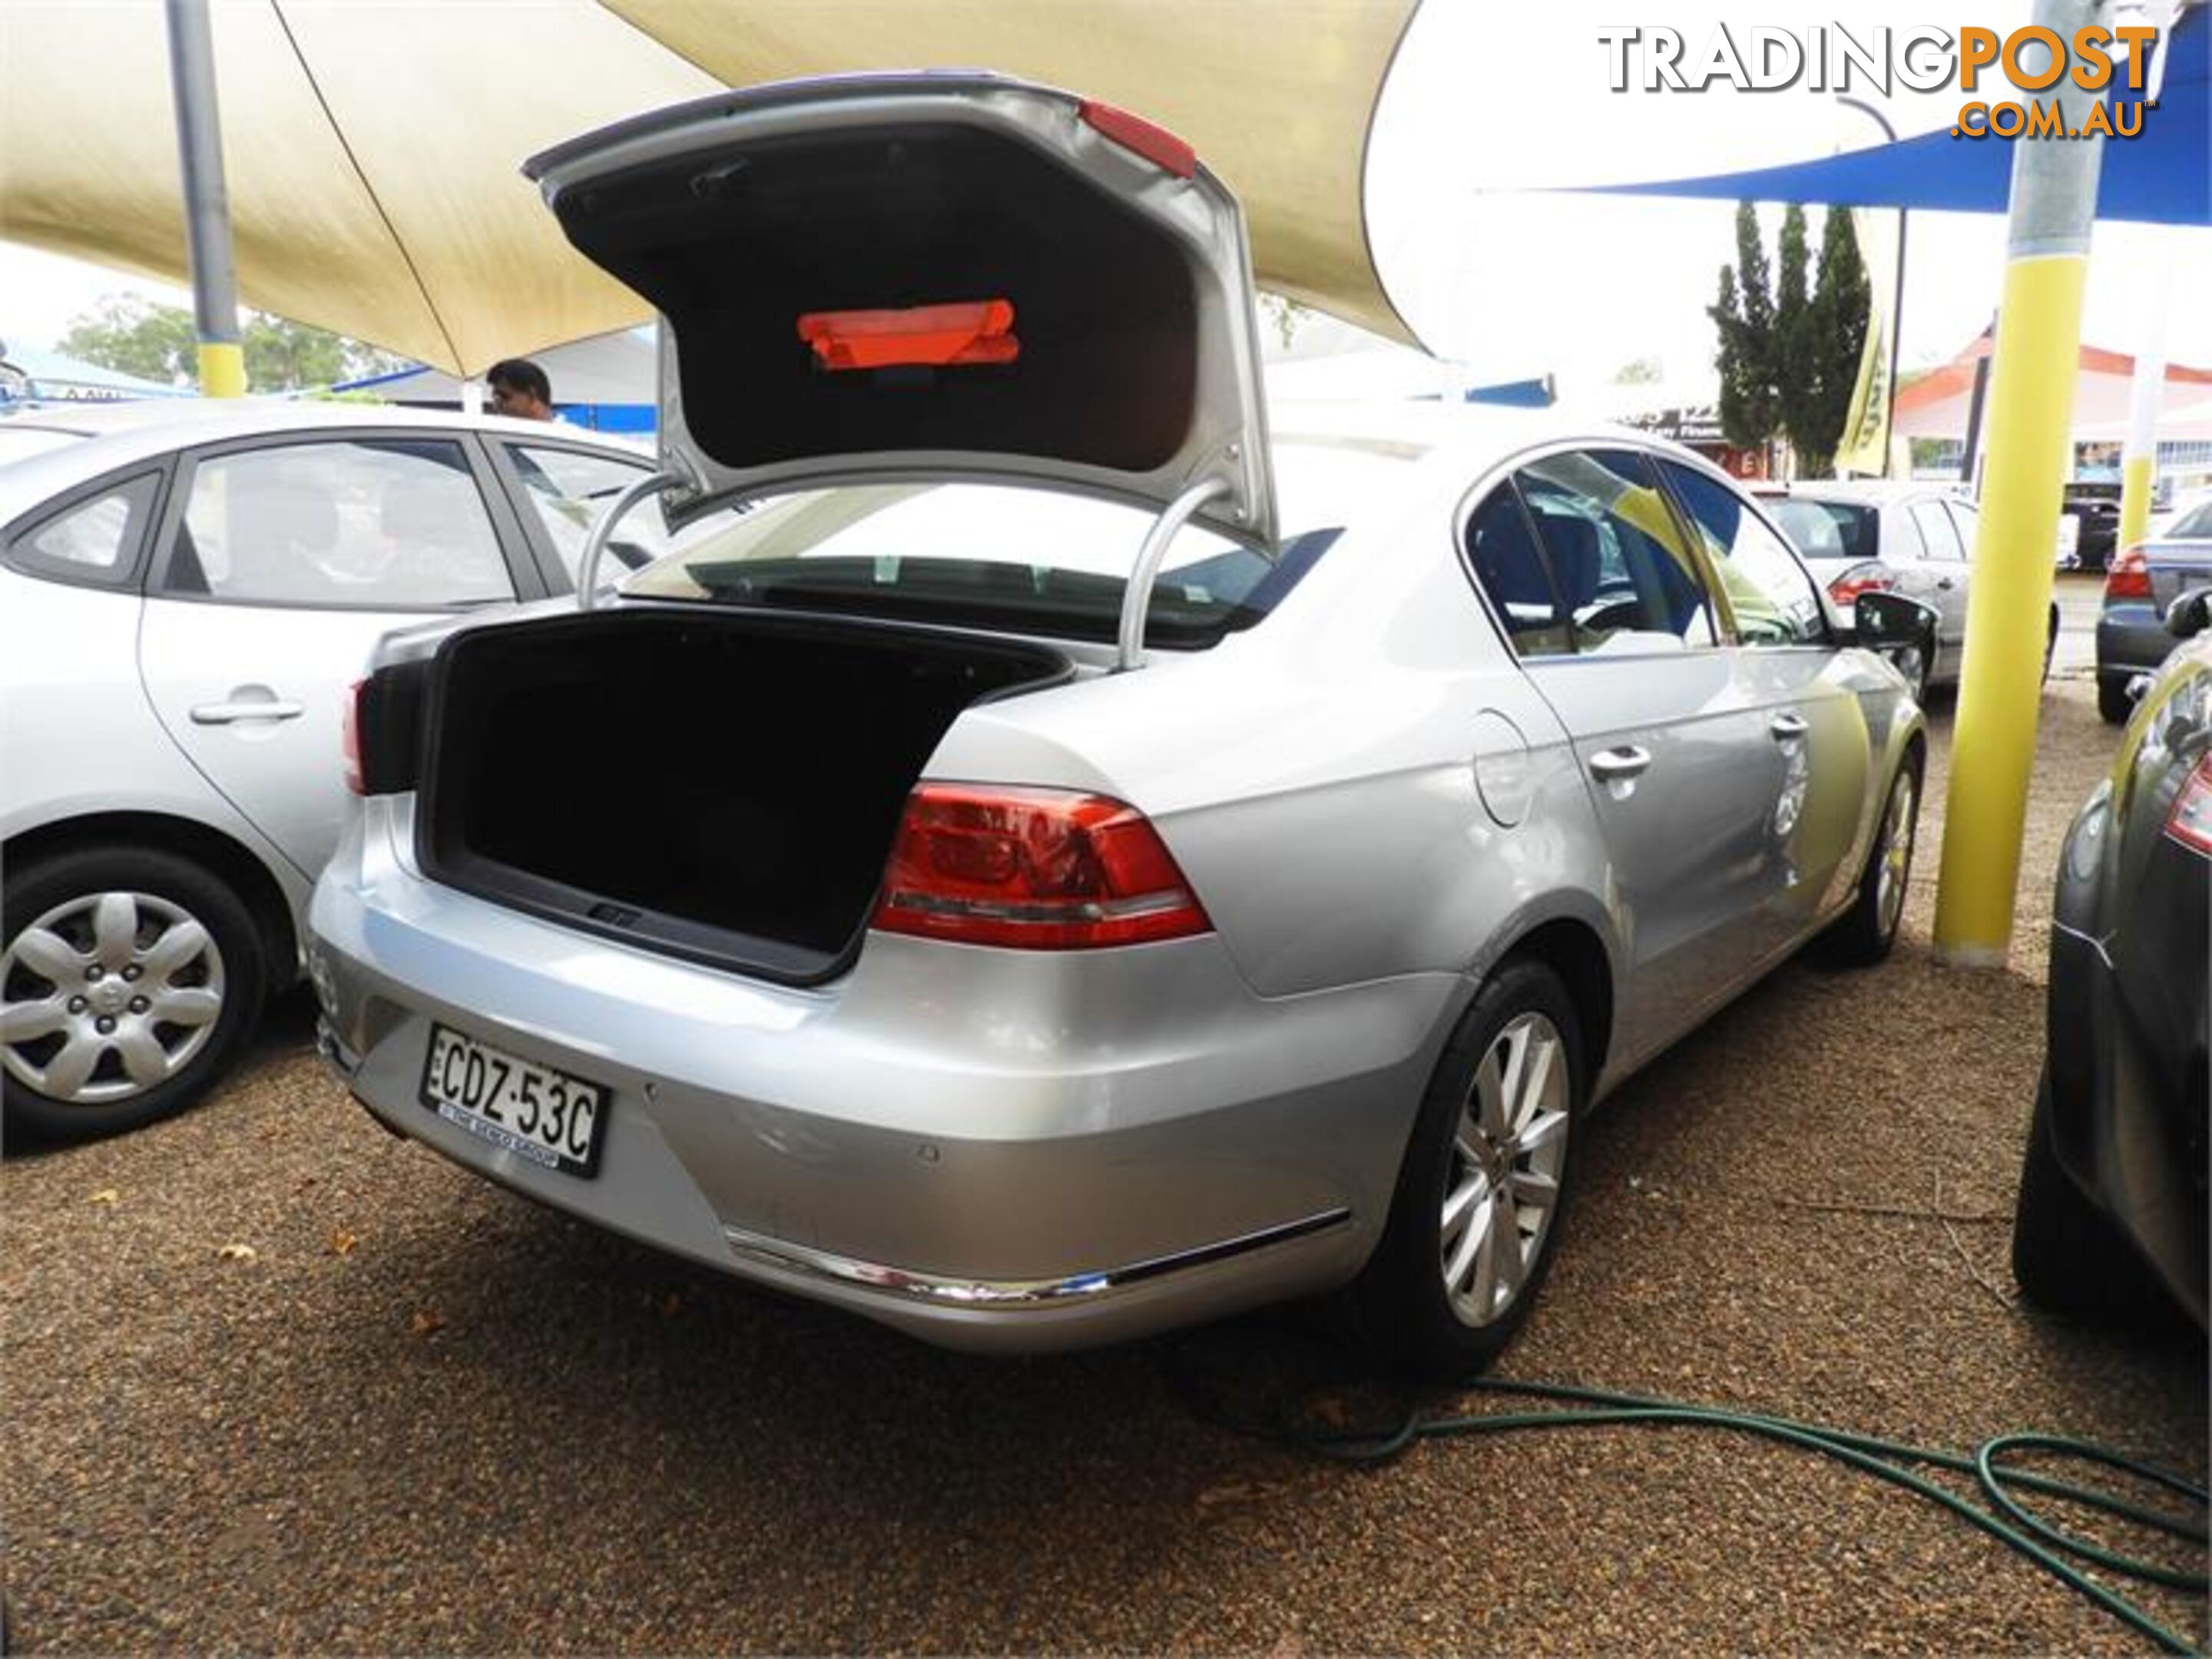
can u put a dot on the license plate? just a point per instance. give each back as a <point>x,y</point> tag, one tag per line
<point>547,1116</point>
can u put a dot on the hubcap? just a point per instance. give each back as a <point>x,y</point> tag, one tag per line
<point>1502,1186</point>
<point>1896,855</point>
<point>106,995</point>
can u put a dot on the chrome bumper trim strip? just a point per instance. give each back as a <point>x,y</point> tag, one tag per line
<point>1008,1295</point>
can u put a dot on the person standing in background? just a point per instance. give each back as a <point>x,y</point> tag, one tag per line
<point>519,387</point>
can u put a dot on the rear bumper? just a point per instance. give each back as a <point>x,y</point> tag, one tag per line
<point>995,1150</point>
<point>2131,640</point>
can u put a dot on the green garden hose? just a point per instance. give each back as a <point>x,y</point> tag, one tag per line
<point>2007,1518</point>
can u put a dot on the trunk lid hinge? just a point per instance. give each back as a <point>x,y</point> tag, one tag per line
<point>595,545</point>
<point>1137,599</point>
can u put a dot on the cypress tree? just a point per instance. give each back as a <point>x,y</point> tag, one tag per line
<point>1744,316</point>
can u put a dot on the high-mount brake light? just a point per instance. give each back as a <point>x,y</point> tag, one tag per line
<point>1133,132</point>
<point>1032,869</point>
<point>966,332</point>
<point>2128,576</point>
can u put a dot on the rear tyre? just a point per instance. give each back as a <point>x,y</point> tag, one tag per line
<point>129,976</point>
<point>2068,1256</point>
<point>2113,701</point>
<point>1483,1186</point>
<point>1866,933</point>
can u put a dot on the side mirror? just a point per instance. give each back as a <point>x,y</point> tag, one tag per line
<point>2190,614</point>
<point>1887,622</point>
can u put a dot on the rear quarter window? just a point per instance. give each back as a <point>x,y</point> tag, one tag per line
<point>95,540</point>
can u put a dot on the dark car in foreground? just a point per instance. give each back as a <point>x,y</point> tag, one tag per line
<point>2111,1218</point>
<point>2139,588</point>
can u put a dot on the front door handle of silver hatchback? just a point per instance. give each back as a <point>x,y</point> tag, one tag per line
<point>1620,765</point>
<point>270,709</point>
<point>1788,728</point>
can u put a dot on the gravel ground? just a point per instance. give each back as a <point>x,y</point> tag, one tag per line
<point>276,1382</point>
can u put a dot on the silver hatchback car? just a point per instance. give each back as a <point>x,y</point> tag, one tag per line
<point>953,893</point>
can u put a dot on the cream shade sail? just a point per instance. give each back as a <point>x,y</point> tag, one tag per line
<point>1275,95</point>
<point>372,147</point>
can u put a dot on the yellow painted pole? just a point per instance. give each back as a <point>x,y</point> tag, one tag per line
<point>2034,362</point>
<point>2138,460</point>
<point>222,370</point>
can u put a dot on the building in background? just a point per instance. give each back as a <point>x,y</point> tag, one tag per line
<point>608,382</point>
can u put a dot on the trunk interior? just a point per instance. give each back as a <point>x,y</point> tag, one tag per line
<point>723,787</point>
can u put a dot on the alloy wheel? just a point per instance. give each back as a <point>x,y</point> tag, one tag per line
<point>1896,855</point>
<point>106,995</point>
<point>1502,1188</point>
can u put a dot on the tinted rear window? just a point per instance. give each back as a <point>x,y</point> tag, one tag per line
<point>2192,526</point>
<point>1826,530</point>
<point>1025,560</point>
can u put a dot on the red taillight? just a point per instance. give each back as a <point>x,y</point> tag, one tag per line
<point>971,332</point>
<point>1036,869</point>
<point>349,740</point>
<point>2128,576</point>
<point>2189,823</point>
<point>1133,132</point>
<point>1860,579</point>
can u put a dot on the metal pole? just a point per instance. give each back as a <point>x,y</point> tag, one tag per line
<point>1897,305</point>
<point>2138,460</point>
<point>207,200</point>
<point>2035,362</point>
<point>1970,473</point>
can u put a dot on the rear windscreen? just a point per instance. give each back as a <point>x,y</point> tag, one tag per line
<point>2192,526</point>
<point>1024,560</point>
<point>1826,530</point>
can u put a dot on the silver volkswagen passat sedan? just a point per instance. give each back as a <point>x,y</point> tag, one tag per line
<point>954,893</point>
<point>187,593</point>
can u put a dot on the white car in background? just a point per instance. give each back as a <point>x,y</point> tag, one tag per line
<point>1916,539</point>
<point>187,593</point>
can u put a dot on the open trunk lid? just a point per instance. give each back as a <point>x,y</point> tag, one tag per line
<point>946,274</point>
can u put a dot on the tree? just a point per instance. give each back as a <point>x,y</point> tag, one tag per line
<point>1791,353</point>
<point>1286,316</point>
<point>158,342</point>
<point>154,342</point>
<point>1834,340</point>
<point>1787,363</point>
<point>1744,315</point>
<point>1644,371</point>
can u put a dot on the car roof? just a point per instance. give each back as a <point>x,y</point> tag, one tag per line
<point>120,435</point>
<point>1864,492</point>
<point>1464,437</point>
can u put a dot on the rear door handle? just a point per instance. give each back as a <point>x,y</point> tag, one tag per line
<point>1944,582</point>
<point>1788,728</point>
<point>1619,765</point>
<point>223,714</point>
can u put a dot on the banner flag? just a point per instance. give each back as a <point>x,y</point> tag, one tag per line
<point>1864,446</point>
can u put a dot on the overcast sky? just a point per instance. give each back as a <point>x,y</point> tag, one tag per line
<point>1515,281</point>
<point>1478,117</point>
